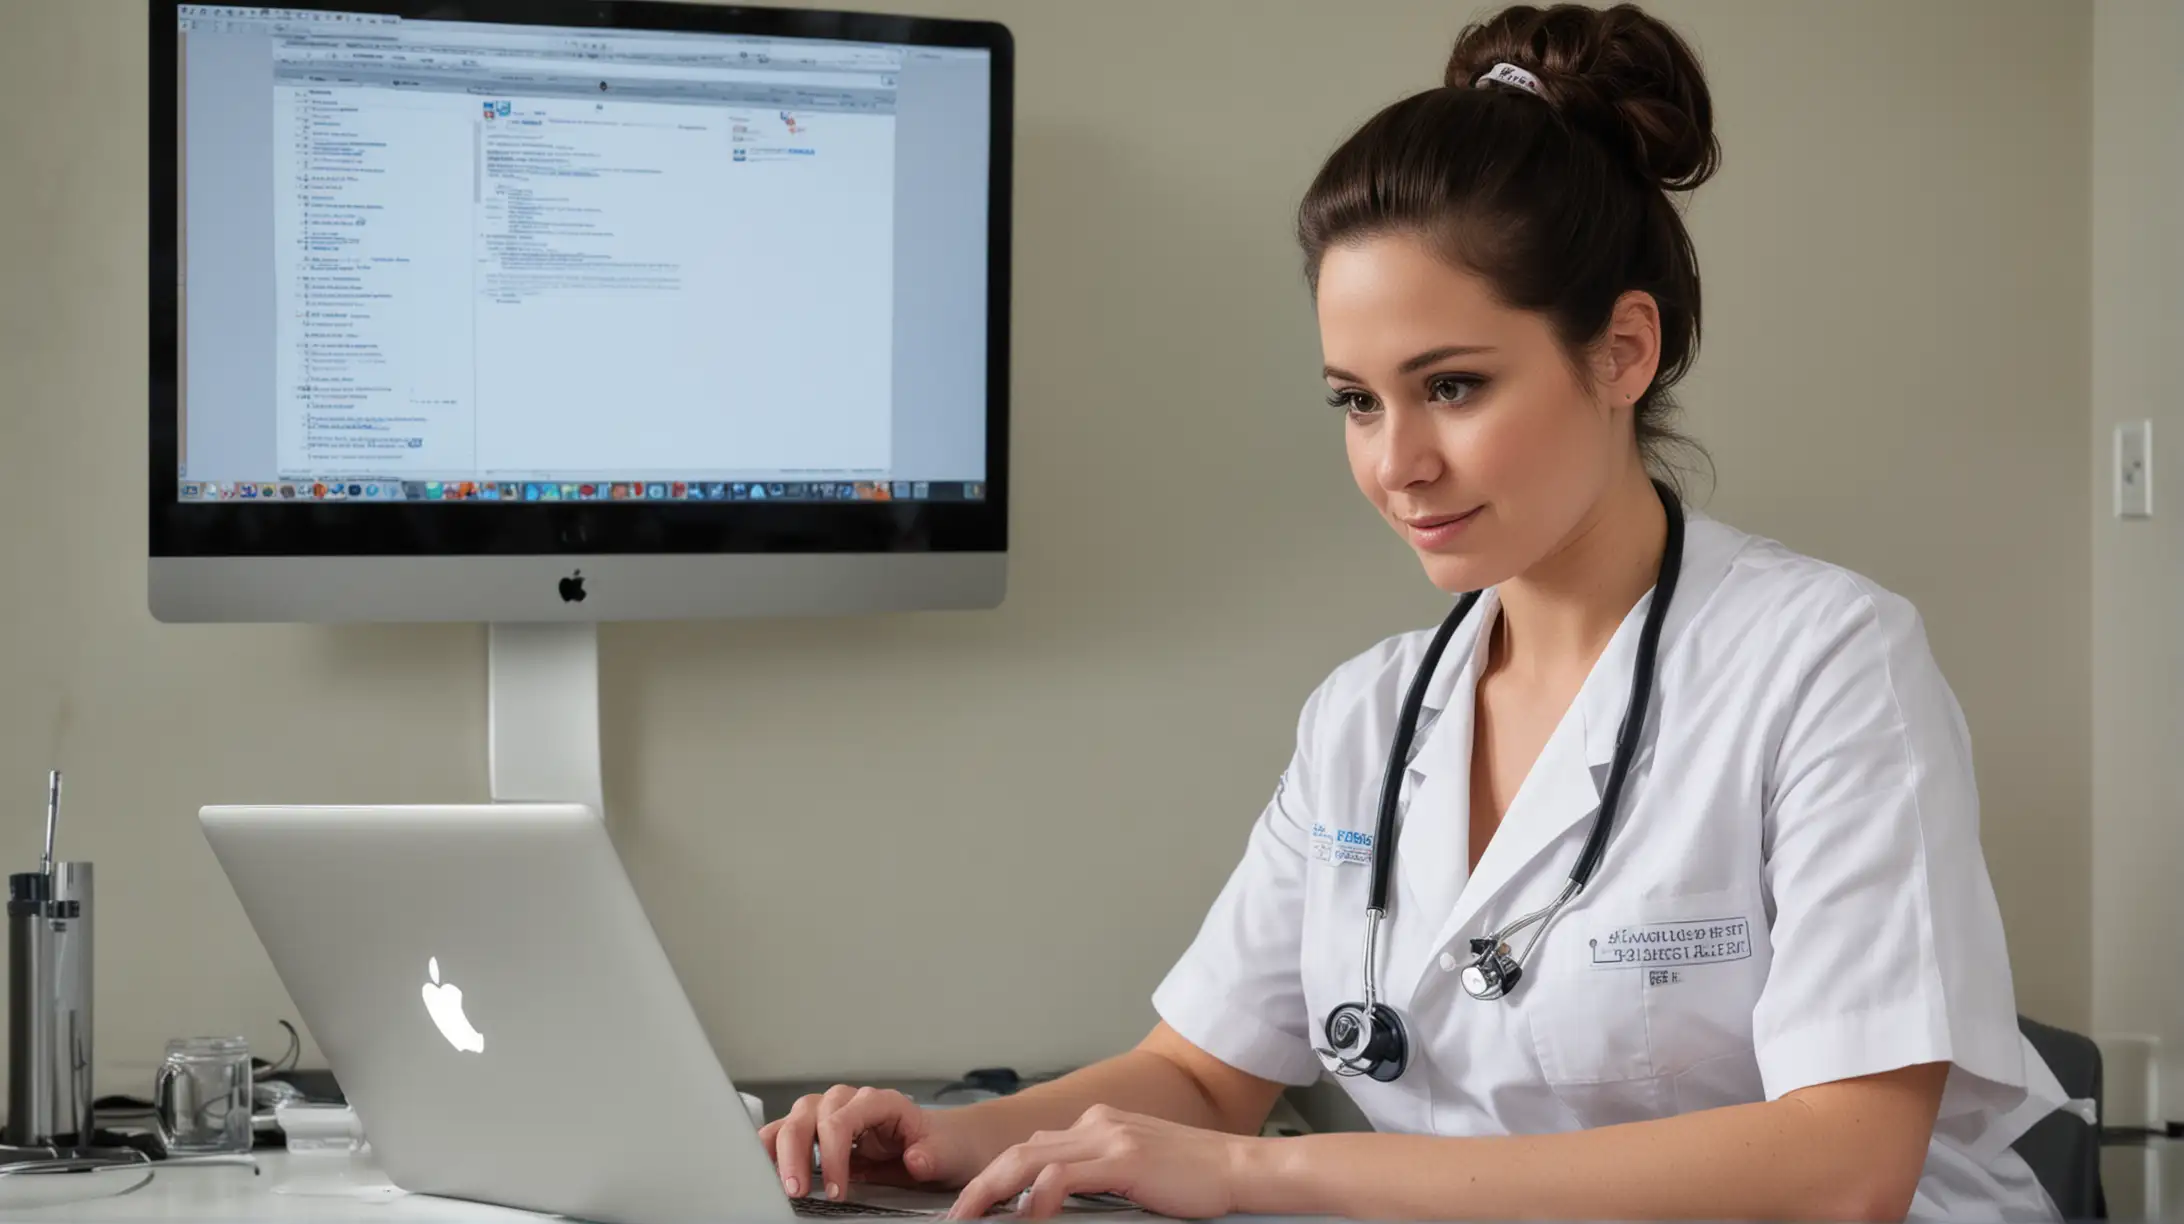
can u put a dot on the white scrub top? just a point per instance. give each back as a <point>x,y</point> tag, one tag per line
<point>1794,891</point>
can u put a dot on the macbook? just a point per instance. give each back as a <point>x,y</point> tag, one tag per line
<point>499,1012</point>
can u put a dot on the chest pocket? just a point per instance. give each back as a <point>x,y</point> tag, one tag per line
<point>1644,1009</point>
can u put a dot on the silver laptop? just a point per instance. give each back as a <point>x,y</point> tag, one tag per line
<point>499,1012</point>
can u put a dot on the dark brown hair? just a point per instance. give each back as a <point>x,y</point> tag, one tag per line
<point>1560,201</point>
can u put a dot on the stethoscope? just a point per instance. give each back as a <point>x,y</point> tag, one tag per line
<point>1368,1038</point>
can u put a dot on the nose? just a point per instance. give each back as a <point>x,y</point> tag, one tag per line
<point>1410,452</point>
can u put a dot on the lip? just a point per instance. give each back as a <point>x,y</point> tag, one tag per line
<point>1431,531</point>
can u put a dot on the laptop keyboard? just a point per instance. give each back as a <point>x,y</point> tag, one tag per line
<point>817,1208</point>
<point>812,1209</point>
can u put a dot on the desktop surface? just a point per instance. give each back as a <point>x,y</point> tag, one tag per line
<point>252,1194</point>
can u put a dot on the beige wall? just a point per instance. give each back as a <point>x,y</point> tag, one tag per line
<point>981,838</point>
<point>2138,567</point>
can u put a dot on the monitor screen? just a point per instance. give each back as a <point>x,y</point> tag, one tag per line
<point>455,261</point>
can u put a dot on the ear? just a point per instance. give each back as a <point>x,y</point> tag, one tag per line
<point>1628,353</point>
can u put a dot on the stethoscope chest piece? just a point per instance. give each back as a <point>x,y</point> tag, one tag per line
<point>1370,1044</point>
<point>1493,973</point>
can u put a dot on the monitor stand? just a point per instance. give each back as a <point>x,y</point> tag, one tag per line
<point>542,714</point>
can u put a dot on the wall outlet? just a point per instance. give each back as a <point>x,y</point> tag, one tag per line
<point>2134,474</point>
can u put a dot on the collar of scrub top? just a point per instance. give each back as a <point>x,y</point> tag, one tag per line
<point>1564,786</point>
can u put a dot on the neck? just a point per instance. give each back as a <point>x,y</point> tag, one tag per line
<point>1559,615</point>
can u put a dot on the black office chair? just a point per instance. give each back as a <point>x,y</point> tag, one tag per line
<point>2064,1152</point>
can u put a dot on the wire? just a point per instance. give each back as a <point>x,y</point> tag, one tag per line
<point>288,1059</point>
<point>123,1107</point>
<point>73,1164</point>
<point>62,1165</point>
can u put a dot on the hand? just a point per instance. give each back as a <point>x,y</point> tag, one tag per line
<point>1164,1167</point>
<point>866,1135</point>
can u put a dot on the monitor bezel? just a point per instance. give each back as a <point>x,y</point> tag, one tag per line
<point>255,528</point>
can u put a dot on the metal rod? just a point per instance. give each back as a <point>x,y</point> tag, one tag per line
<point>1372,962</point>
<point>52,815</point>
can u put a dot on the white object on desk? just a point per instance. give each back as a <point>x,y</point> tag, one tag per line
<point>327,1155</point>
<point>312,1130</point>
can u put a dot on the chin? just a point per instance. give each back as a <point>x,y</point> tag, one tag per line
<point>1456,575</point>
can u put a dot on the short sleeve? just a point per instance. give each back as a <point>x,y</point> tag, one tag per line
<point>1888,944</point>
<point>1238,991</point>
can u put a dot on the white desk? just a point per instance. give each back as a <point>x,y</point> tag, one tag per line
<point>200,1193</point>
<point>233,1192</point>
<point>220,1192</point>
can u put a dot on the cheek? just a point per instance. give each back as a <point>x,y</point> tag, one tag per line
<point>1523,442</point>
<point>1546,444</point>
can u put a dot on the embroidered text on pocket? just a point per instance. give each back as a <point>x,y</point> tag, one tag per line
<point>1669,945</point>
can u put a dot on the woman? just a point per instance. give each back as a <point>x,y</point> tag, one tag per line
<point>1778,987</point>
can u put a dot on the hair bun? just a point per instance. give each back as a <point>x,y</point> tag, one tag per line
<point>1619,73</point>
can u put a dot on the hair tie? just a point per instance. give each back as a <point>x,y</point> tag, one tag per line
<point>1512,76</point>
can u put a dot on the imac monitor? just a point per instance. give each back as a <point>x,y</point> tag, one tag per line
<point>569,310</point>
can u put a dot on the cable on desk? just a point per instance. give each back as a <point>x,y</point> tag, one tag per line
<point>288,1060</point>
<point>58,1165</point>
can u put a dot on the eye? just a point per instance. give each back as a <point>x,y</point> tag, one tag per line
<point>1355,403</point>
<point>1453,388</point>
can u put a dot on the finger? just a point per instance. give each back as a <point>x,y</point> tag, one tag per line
<point>870,1128</point>
<point>838,1128</point>
<point>1050,1190</point>
<point>922,1160</point>
<point>899,1123</point>
<point>888,1121</point>
<point>1009,1173</point>
<point>792,1145</point>
<point>1015,1169</point>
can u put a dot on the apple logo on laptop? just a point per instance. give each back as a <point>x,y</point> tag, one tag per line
<point>445,1005</point>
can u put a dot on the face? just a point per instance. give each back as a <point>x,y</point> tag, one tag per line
<point>1468,426</point>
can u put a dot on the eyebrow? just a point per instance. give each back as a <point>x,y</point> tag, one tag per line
<point>1417,363</point>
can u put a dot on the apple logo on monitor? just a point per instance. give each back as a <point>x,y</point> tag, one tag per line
<point>445,1005</point>
<point>572,588</point>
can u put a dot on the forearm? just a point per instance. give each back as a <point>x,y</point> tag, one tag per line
<point>1139,1081</point>
<point>1779,1160</point>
